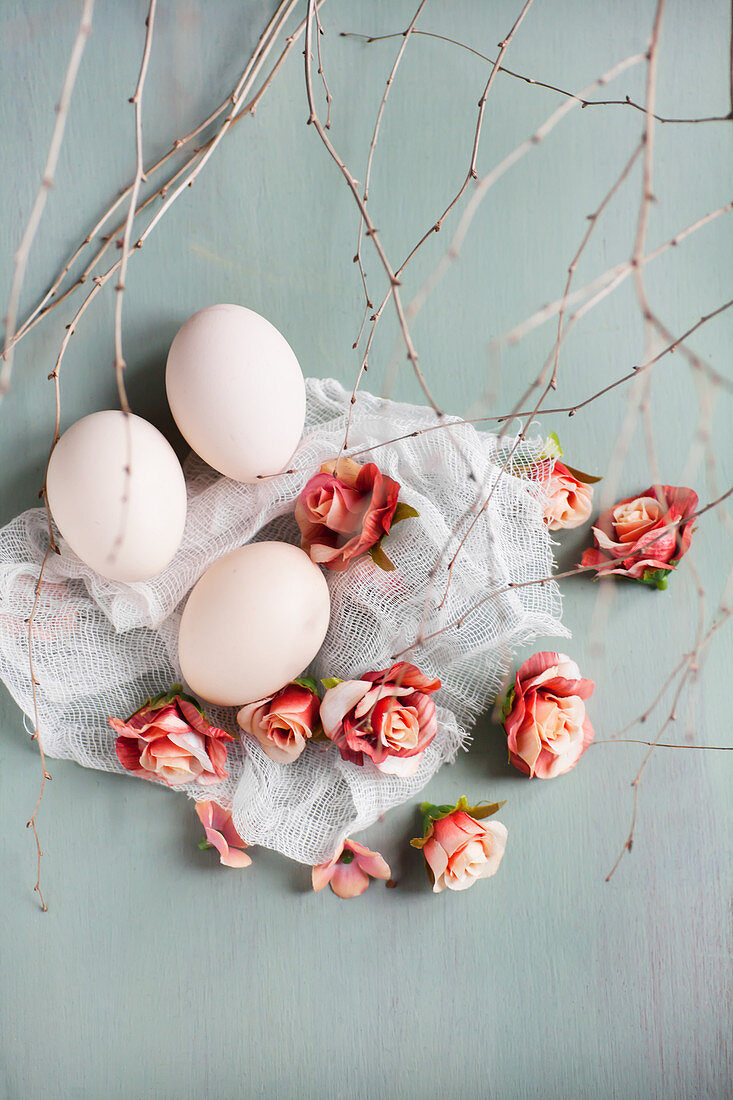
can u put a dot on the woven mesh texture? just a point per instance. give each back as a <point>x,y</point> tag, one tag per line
<point>101,648</point>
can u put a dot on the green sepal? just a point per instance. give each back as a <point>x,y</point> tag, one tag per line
<point>508,703</point>
<point>204,845</point>
<point>167,697</point>
<point>378,556</point>
<point>481,810</point>
<point>551,448</point>
<point>655,578</point>
<point>587,479</point>
<point>404,511</point>
<point>307,682</point>
<point>431,813</point>
<point>331,682</point>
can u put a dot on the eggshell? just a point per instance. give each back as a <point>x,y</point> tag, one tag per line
<point>254,620</point>
<point>236,391</point>
<point>124,540</point>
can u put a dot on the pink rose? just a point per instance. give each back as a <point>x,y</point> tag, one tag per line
<point>644,537</point>
<point>459,850</point>
<point>349,870</point>
<point>568,501</point>
<point>221,834</point>
<point>545,721</point>
<point>169,738</point>
<point>387,717</point>
<point>283,722</point>
<point>344,511</point>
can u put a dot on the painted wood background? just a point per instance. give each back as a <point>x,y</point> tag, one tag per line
<point>155,972</point>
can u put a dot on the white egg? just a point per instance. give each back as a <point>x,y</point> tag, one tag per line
<point>125,525</point>
<point>254,620</point>
<point>236,391</point>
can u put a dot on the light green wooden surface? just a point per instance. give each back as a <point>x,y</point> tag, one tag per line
<point>155,972</point>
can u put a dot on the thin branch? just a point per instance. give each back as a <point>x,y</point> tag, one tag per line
<point>20,261</point>
<point>36,725</point>
<point>137,101</point>
<point>661,744</point>
<point>372,231</point>
<point>365,198</point>
<point>52,299</point>
<point>321,73</point>
<point>625,102</point>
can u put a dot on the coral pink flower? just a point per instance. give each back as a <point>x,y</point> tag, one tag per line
<point>344,511</point>
<point>568,501</point>
<point>283,722</point>
<point>221,834</point>
<point>387,717</point>
<point>546,724</point>
<point>349,870</point>
<point>644,537</point>
<point>459,850</point>
<point>170,739</point>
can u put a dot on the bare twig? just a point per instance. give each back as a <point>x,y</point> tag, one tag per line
<point>47,181</point>
<point>627,101</point>
<point>314,120</point>
<point>365,198</point>
<point>137,101</point>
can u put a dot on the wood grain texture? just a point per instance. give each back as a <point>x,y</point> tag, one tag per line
<point>155,972</point>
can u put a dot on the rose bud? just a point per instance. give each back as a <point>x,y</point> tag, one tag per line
<point>169,738</point>
<point>285,721</point>
<point>644,537</point>
<point>458,849</point>
<point>544,716</point>
<point>387,717</point>
<point>345,511</point>
<point>221,834</point>
<point>568,499</point>
<point>349,870</point>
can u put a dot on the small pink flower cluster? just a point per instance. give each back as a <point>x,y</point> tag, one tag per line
<point>387,717</point>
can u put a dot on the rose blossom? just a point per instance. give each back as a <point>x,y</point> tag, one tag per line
<point>169,738</point>
<point>283,722</point>
<point>349,870</point>
<point>546,724</point>
<point>459,850</point>
<point>387,717</point>
<point>221,834</point>
<point>634,536</point>
<point>344,511</point>
<point>568,501</point>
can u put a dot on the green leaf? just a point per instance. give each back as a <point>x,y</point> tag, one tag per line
<point>587,479</point>
<point>307,682</point>
<point>655,578</point>
<point>331,682</point>
<point>404,511</point>
<point>378,556</point>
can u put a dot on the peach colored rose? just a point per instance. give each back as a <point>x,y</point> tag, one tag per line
<point>568,501</point>
<point>387,717</point>
<point>169,738</point>
<point>545,721</point>
<point>459,850</point>
<point>644,537</point>
<point>349,870</point>
<point>344,511</point>
<point>283,722</point>
<point>221,834</point>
